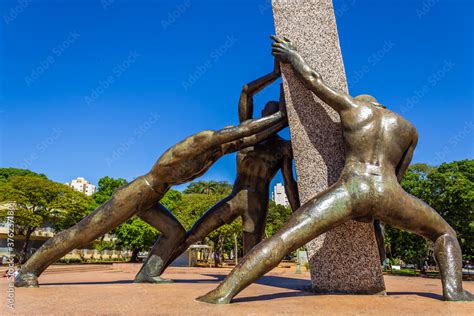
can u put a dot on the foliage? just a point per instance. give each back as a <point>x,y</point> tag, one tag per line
<point>37,201</point>
<point>102,244</point>
<point>193,206</point>
<point>276,218</point>
<point>7,173</point>
<point>209,187</point>
<point>106,188</point>
<point>410,247</point>
<point>171,199</point>
<point>449,189</point>
<point>137,235</point>
<point>452,195</point>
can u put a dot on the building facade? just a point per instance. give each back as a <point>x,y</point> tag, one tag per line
<point>279,195</point>
<point>82,185</point>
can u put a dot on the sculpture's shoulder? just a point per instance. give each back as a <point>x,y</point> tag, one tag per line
<point>397,129</point>
<point>401,123</point>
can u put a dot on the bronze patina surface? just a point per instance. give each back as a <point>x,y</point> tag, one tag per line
<point>181,163</point>
<point>256,167</point>
<point>379,146</point>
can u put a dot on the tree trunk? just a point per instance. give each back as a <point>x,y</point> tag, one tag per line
<point>24,250</point>
<point>236,250</point>
<point>134,257</point>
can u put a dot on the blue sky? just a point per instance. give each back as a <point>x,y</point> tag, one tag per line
<point>102,87</point>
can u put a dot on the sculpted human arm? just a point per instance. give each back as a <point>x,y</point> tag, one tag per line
<point>284,51</point>
<point>291,187</point>
<point>250,89</point>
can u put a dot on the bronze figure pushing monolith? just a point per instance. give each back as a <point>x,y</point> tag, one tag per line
<point>379,146</point>
<point>181,163</point>
<point>256,167</point>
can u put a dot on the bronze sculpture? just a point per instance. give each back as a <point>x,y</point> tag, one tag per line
<point>256,167</point>
<point>379,145</point>
<point>181,163</point>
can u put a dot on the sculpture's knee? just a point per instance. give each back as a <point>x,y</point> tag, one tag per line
<point>445,241</point>
<point>448,234</point>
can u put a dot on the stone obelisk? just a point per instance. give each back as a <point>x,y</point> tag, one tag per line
<point>344,260</point>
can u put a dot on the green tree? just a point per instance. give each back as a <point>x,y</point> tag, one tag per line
<point>208,187</point>
<point>452,195</point>
<point>449,189</point>
<point>106,188</point>
<point>7,173</point>
<point>36,201</point>
<point>72,206</point>
<point>136,235</point>
<point>172,199</point>
<point>276,218</point>
<point>193,206</point>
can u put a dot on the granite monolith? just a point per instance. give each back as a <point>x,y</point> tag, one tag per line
<point>344,260</point>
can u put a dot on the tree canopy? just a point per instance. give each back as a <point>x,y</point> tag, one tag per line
<point>36,201</point>
<point>449,189</point>
<point>106,188</point>
<point>208,187</point>
<point>7,173</point>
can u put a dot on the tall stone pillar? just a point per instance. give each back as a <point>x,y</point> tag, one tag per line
<point>344,260</point>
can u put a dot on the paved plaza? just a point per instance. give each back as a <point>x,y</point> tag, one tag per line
<point>107,289</point>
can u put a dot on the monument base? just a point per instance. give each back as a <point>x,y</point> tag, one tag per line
<point>334,267</point>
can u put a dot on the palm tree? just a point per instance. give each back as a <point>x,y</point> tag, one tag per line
<point>208,187</point>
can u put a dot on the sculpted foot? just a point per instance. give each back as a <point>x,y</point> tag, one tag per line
<point>459,297</point>
<point>140,278</point>
<point>213,297</point>
<point>26,280</point>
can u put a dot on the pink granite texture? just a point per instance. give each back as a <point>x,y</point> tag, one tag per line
<point>344,260</point>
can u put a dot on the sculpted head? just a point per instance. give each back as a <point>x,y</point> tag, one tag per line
<point>370,99</point>
<point>271,108</point>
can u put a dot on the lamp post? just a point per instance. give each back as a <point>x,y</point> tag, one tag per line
<point>298,262</point>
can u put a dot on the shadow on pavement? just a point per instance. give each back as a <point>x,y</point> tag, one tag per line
<point>422,294</point>
<point>88,283</point>
<point>275,281</point>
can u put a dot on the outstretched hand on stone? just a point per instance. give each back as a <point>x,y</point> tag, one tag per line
<point>283,49</point>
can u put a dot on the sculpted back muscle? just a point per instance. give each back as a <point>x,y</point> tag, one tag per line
<point>375,135</point>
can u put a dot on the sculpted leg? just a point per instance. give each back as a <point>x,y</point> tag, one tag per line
<point>254,220</point>
<point>220,214</point>
<point>224,212</point>
<point>172,235</point>
<point>324,212</point>
<point>409,213</point>
<point>379,229</point>
<point>123,204</point>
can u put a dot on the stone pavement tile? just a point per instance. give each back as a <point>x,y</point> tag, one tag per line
<point>112,292</point>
